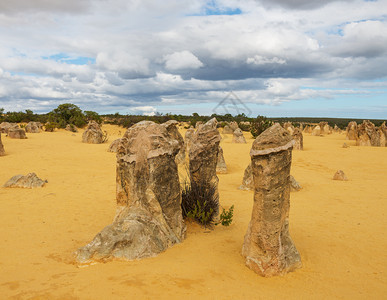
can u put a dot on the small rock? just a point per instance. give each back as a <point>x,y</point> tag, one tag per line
<point>294,185</point>
<point>345,145</point>
<point>339,175</point>
<point>31,180</point>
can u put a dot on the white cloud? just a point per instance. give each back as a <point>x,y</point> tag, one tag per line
<point>181,61</point>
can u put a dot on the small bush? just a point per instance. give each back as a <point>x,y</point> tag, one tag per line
<point>259,125</point>
<point>200,202</point>
<point>225,217</point>
<point>50,126</point>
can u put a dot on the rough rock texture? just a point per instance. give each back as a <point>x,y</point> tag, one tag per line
<point>382,137</point>
<point>298,139</point>
<point>172,128</point>
<point>336,129</point>
<point>367,135</point>
<point>316,131</point>
<point>247,182</point>
<point>308,129</point>
<point>28,181</point>
<point>233,125</point>
<point>339,175</point>
<point>268,247</point>
<point>352,131</point>
<point>188,139</point>
<point>93,134</point>
<point>294,185</point>
<point>203,153</point>
<point>33,127</point>
<point>238,137</point>
<point>71,128</point>
<point>5,126</point>
<point>221,166</point>
<point>114,146</point>
<point>2,151</point>
<point>16,133</point>
<point>149,217</point>
<point>227,130</point>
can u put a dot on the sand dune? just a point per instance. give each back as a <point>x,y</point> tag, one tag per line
<point>338,227</point>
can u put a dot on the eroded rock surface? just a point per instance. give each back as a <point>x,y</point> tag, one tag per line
<point>298,139</point>
<point>149,218</point>
<point>221,166</point>
<point>203,153</point>
<point>114,146</point>
<point>93,134</point>
<point>233,125</point>
<point>367,135</point>
<point>33,127</point>
<point>5,126</point>
<point>247,181</point>
<point>29,181</point>
<point>71,127</point>
<point>2,151</point>
<point>172,128</point>
<point>238,137</point>
<point>16,133</point>
<point>351,131</point>
<point>268,247</point>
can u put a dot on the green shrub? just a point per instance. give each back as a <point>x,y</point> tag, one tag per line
<point>225,217</point>
<point>200,202</point>
<point>50,126</point>
<point>259,125</point>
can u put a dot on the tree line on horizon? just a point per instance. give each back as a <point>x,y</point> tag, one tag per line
<point>71,114</point>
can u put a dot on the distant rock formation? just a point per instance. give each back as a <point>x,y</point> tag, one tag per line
<point>149,218</point>
<point>93,134</point>
<point>203,153</point>
<point>323,127</point>
<point>233,125</point>
<point>289,127</point>
<point>221,166</point>
<point>247,181</point>
<point>367,135</point>
<point>316,131</point>
<point>29,181</point>
<point>2,151</point>
<point>16,133</point>
<point>227,130</point>
<point>33,127</point>
<point>268,247</point>
<point>238,137</point>
<point>114,146</point>
<point>298,139</point>
<point>351,131</point>
<point>339,175</point>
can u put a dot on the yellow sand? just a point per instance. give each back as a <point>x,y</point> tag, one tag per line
<point>338,227</point>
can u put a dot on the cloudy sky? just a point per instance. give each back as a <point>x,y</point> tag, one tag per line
<point>279,57</point>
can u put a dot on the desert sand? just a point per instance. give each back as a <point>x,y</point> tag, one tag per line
<point>337,226</point>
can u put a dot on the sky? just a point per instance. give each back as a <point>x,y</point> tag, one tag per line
<point>310,58</point>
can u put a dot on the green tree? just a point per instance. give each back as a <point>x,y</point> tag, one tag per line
<point>92,115</point>
<point>259,125</point>
<point>67,113</point>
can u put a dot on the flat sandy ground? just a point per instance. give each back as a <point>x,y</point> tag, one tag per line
<point>338,227</point>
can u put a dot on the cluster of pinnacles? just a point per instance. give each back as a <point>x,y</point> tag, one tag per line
<point>149,216</point>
